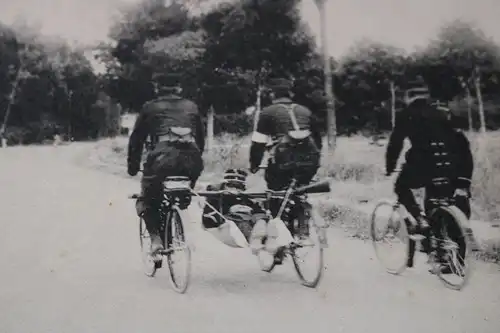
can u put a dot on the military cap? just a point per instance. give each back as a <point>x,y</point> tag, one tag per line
<point>167,79</point>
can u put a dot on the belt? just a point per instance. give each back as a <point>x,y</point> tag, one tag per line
<point>175,138</point>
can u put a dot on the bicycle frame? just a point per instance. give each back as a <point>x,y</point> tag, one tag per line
<point>267,195</point>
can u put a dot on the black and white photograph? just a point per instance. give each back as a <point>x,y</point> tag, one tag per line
<point>250,166</point>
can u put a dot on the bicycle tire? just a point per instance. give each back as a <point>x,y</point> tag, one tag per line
<point>311,283</point>
<point>457,222</point>
<point>399,268</point>
<point>150,266</point>
<point>174,229</point>
<point>267,267</point>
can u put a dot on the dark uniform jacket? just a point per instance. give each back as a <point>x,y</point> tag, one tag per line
<point>422,124</point>
<point>157,117</point>
<point>275,122</point>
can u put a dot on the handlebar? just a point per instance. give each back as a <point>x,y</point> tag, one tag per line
<point>317,187</point>
<point>211,194</point>
<point>260,167</point>
<point>251,195</point>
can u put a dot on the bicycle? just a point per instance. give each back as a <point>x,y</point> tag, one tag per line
<point>287,198</point>
<point>176,197</point>
<point>456,241</point>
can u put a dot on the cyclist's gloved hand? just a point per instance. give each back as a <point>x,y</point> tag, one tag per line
<point>461,192</point>
<point>132,169</point>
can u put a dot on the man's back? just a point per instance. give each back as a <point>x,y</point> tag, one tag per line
<point>170,111</point>
<point>277,120</point>
<point>422,123</point>
<point>158,116</point>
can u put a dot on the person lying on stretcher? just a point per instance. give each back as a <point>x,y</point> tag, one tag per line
<point>240,211</point>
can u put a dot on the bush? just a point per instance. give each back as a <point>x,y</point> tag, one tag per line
<point>239,124</point>
<point>229,151</point>
<point>486,180</point>
<point>16,135</point>
<point>357,171</point>
<point>124,131</point>
<point>357,168</point>
<point>32,133</point>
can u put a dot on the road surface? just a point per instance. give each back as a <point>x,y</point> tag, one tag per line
<point>70,262</point>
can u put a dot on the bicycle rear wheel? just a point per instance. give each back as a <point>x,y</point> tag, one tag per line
<point>150,265</point>
<point>390,237</point>
<point>266,260</point>
<point>177,251</point>
<point>309,277</point>
<point>456,246</point>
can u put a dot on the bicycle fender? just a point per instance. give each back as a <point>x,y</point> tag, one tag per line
<point>458,215</point>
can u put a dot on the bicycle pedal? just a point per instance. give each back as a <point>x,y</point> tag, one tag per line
<point>433,270</point>
<point>158,264</point>
<point>279,257</point>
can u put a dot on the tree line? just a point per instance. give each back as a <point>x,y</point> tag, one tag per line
<point>227,52</point>
<point>48,87</point>
<point>225,55</point>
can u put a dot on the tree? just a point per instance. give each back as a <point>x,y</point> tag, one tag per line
<point>467,57</point>
<point>179,53</point>
<point>248,40</point>
<point>9,62</point>
<point>145,40</point>
<point>370,74</point>
<point>46,84</point>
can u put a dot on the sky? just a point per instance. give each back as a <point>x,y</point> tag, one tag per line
<point>403,23</point>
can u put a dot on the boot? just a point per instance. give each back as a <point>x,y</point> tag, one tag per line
<point>409,262</point>
<point>441,265</point>
<point>422,224</point>
<point>258,234</point>
<point>426,246</point>
<point>156,244</point>
<point>303,234</point>
<point>441,268</point>
<point>302,219</point>
<point>152,221</point>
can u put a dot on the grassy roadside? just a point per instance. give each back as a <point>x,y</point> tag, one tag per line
<point>356,170</point>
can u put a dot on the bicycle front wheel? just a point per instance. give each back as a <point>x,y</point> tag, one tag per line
<point>149,264</point>
<point>390,237</point>
<point>308,256</point>
<point>456,247</point>
<point>178,252</point>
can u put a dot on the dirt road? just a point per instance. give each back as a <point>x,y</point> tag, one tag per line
<point>70,262</point>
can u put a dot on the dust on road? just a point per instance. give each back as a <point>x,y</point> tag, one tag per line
<point>70,262</point>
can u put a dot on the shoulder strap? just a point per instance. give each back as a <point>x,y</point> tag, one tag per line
<point>290,108</point>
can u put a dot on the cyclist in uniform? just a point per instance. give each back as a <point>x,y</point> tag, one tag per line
<point>175,129</point>
<point>437,151</point>
<point>292,134</point>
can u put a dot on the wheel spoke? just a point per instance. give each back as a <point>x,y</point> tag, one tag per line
<point>389,237</point>
<point>145,242</point>
<point>176,246</point>
<point>309,277</point>
<point>455,246</point>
